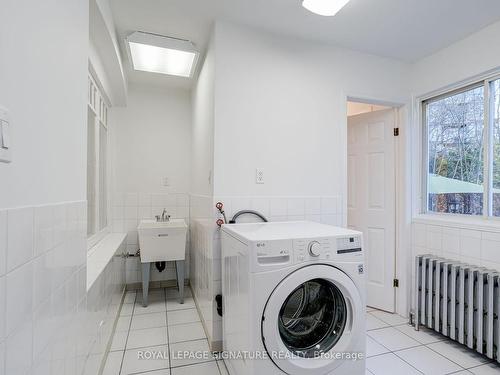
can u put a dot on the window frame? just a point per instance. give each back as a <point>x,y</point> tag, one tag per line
<point>486,82</point>
<point>99,106</point>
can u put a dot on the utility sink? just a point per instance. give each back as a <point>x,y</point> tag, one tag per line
<point>162,241</point>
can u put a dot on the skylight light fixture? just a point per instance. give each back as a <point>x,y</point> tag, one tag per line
<point>324,7</point>
<point>160,54</point>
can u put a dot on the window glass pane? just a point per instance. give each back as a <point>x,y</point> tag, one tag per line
<point>103,205</point>
<point>91,169</point>
<point>455,178</point>
<point>495,87</point>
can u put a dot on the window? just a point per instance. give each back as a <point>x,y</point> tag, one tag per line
<point>97,145</point>
<point>462,161</point>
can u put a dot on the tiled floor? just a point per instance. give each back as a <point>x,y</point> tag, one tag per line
<point>394,348</point>
<point>161,330</point>
<point>166,327</point>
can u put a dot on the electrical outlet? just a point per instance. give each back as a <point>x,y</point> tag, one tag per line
<point>259,176</point>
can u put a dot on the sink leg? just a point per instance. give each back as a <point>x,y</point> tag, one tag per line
<point>146,269</point>
<point>179,267</point>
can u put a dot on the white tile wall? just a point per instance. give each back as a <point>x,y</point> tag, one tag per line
<point>129,208</point>
<point>456,242</point>
<point>479,247</point>
<point>47,325</point>
<point>206,245</point>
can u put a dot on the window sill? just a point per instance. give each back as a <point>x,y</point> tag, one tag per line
<point>101,254</point>
<point>456,221</point>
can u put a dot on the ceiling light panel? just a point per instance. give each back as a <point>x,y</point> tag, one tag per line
<point>324,7</point>
<point>160,54</point>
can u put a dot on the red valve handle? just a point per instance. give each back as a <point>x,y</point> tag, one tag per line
<point>219,205</point>
<point>220,222</point>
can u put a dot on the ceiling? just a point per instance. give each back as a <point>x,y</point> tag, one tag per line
<point>407,30</point>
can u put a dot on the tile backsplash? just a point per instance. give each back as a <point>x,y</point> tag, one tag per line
<point>42,257</point>
<point>49,323</point>
<point>206,244</point>
<point>480,247</point>
<point>131,207</point>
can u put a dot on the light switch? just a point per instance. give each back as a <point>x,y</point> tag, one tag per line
<point>5,134</point>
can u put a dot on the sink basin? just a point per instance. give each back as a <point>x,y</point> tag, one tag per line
<point>162,240</point>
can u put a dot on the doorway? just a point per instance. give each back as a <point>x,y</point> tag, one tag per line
<point>371,195</point>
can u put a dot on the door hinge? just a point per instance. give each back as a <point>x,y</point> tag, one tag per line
<point>396,283</point>
<point>396,132</point>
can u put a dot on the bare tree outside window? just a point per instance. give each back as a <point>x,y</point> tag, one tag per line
<point>455,126</point>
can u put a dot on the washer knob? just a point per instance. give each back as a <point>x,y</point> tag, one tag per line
<point>315,248</point>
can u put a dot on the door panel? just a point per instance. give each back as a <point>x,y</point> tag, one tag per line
<point>371,199</point>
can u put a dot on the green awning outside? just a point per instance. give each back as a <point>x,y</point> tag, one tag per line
<point>444,185</point>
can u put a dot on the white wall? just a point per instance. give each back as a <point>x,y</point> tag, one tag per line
<point>281,106</point>
<point>152,140</point>
<point>203,260</point>
<point>203,99</point>
<point>467,58</point>
<point>470,240</point>
<point>43,75</point>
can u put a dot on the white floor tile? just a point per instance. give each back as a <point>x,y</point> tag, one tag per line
<point>127,309</point>
<point>374,323</point>
<point>222,367</point>
<point>199,346</point>
<point>164,371</point>
<point>489,369</point>
<point>182,316</point>
<point>129,297</point>
<point>374,348</point>
<point>173,304</point>
<point>459,354</point>
<point>207,368</point>
<point>119,341</point>
<point>135,360</point>
<point>173,293</point>
<point>113,363</point>
<point>142,321</point>
<point>186,332</point>
<point>428,361</point>
<point>152,307</point>
<point>423,336</point>
<point>389,364</point>
<point>391,319</point>
<point>155,295</point>
<point>147,337</point>
<point>392,339</point>
<point>123,324</point>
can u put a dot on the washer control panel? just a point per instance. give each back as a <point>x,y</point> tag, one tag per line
<point>315,249</point>
<point>349,245</point>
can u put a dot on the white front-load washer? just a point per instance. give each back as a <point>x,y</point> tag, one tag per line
<point>293,299</point>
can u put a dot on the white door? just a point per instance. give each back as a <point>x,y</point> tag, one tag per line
<point>371,199</point>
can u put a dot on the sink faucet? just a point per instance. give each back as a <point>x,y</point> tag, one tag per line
<point>164,216</point>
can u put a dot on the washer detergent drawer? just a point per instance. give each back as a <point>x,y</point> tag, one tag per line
<point>272,254</point>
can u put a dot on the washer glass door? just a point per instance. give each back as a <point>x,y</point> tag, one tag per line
<point>312,318</point>
<point>313,314</point>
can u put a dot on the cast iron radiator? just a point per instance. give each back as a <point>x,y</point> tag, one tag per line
<point>460,301</point>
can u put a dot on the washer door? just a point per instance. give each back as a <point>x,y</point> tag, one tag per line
<point>312,314</point>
